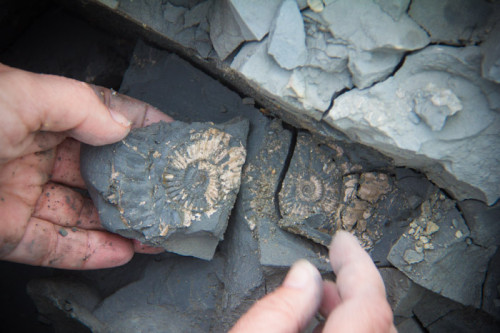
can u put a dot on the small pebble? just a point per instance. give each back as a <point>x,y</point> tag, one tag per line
<point>63,232</point>
<point>458,234</point>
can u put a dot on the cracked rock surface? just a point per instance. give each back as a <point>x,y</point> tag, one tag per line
<point>169,184</point>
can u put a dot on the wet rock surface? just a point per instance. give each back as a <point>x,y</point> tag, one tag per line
<point>169,184</point>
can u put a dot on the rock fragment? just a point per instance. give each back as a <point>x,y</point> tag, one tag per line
<point>424,252</point>
<point>452,119</point>
<point>287,44</point>
<point>170,185</point>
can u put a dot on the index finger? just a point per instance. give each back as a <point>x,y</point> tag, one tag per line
<point>363,305</point>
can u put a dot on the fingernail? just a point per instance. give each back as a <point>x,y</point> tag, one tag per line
<point>119,118</point>
<point>302,275</point>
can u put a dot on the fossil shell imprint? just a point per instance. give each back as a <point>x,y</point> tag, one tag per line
<point>167,183</point>
<point>311,192</point>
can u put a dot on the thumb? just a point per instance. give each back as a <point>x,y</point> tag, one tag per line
<point>290,307</point>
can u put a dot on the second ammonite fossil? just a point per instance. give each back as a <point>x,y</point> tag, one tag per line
<point>169,184</point>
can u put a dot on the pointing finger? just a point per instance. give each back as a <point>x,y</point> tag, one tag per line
<point>290,307</point>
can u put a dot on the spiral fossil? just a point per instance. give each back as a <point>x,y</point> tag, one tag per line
<point>168,182</point>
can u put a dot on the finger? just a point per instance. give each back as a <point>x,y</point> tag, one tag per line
<point>364,307</point>
<point>46,244</point>
<point>331,298</point>
<point>39,102</point>
<point>62,206</point>
<point>140,114</point>
<point>146,249</point>
<point>67,164</point>
<point>290,307</point>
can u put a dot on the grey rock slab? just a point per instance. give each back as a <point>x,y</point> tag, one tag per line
<point>287,38</point>
<point>181,287</point>
<point>277,248</point>
<point>465,320</point>
<point>402,293</point>
<point>434,252</point>
<point>455,21</point>
<point>432,307</point>
<point>483,222</point>
<point>312,191</point>
<point>395,8</point>
<point>323,50</point>
<point>192,95</point>
<point>314,88</point>
<point>370,67</point>
<point>307,88</point>
<point>366,26</point>
<point>457,123</point>
<point>490,49</point>
<point>254,17</point>
<point>491,288</point>
<point>409,325</point>
<point>169,184</point>
<point>225,32</point>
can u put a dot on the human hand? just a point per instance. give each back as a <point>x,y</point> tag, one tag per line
<point>356,302</point>
<point>42,220</point>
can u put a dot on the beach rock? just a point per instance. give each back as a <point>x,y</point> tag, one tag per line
<point>436,242</point>
<point>370,67</point>
<point>287,44</point>
<point>170,185</point>
<point>441,110</point>
<point>490,49</point>
<point>460,22</point>
<point>225,33</point>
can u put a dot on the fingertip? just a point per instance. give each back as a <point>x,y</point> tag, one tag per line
<point>109,250</point>
<point>302,275</point>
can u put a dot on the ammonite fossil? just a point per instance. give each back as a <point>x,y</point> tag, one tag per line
<point>311,192</point>
<point>169,184</point>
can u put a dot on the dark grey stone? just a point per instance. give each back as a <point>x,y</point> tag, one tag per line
<point>402,293</point>
<point>466,320</point>
<point>409,325</point>
<point>483,222</point>
<point>437,242</point>
<point>311,195</point>
<point>170,185</point>
<point>432,307</point>
<point>186,288</point>
<point>491,288</point>
<point>278,248</point>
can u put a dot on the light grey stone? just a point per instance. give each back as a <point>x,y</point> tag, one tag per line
<point>370,67</point>
<point>455,21</point>
<point>197,14</point>
<point>316,5</point>
<point>469,139</point>
<point>451,266</point>
<point>254,17</point>
<point>490,48</point>
<point>287,43</point>
<point>314,88</point>
<point>113,4</point>
<point>367,27</point>
<point>323,51</point>
<point>173,13</point>
<point>258,66</point>
<point>402,293</point>
<point>225,32</point>
<point>395,8</point>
